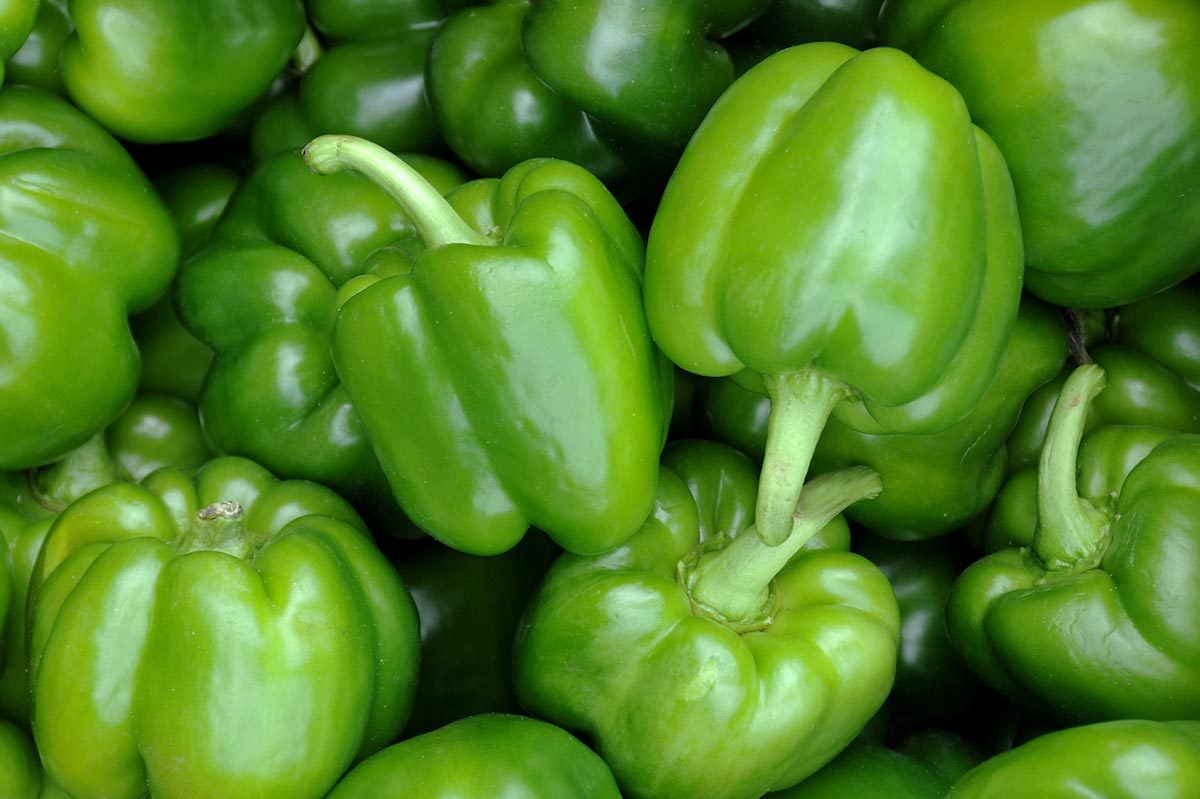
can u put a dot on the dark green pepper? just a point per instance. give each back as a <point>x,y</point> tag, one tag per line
<point>483,757</point>
<point>721,644</point>
<point>469,609</point>
<point>865,771</point>
<point>21,773</point>
<point>807,266</point>
<point>17,18</point>
<point>791,22</point>
<point>1097,619</point>
<point>1117,760</point>
<point>1096,107</point>
<point>84,241</point>
<point>36,63</point>
<point>507,379</point>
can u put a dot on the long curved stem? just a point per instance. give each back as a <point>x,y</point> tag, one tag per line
<point>436,221</point>
<point>1070,529</point>
<point>734,582</point>
<point>800,405</point>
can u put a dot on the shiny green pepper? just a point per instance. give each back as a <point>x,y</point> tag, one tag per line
<point>1096,107</point>
<point>272,394</point>
<point>483,757</point>
<point>796,244</point>
<point>507,379</point>
<point>36,63</point>
<point>1097,619</point>
<point>84,241</point>
<point>1117,760</point>
<point>175,70</point>
<point>21,773</point>
<point>864,771</point>
<point>225,632</point>
<point>721,644</point>
<point>16,21</point>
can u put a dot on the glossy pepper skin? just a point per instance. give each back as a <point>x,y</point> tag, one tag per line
<point>1126,759</point>
<point>469,609</point>
<point>16,21</point>
<point>483,757</point>
<point>175,70</point>
<point>1096,107</point>
<point>173,360</point>
<point>865,771</point>
<point>368,79</point>
<point>154,432</point>
<point>85,242</point>
<point>1097,619</point>
<point>765,277</point>
<point>21,773</point>
<point>522,317</point>
<point>932,482</point>
<point>272,394</point>
<point>223,632</point>
<point>36,63</point>
<point>933,685</point>
<point>770,658</point>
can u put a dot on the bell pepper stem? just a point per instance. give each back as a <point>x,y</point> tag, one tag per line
<point>734,583</point>
<point>218,528</point>
<point>1071,531</point>
<point>436,221</point>
<point>82,471</point>
<point>800,405</point>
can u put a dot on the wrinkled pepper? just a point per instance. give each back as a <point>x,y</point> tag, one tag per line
<point>84,241</point>
<point>175,70</point>
<point>483,757</point>
<point>1097,619</point>
<point>522,317</point>
<point>1125,759</point>
<point>224,632</point>
<point>1096,107</point>
<point>811,268</point>
<point>367,79</point>
<point>772,659</point>
<point>932,482</point>
<point>272,394</point>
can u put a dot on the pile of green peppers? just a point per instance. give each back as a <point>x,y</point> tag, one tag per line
<point>585,399</point>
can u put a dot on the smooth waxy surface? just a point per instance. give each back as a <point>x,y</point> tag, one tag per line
<point>287,646</point>
<point>531,391</point>
<point>262,294</point>
<point>680,705</point>
<point>175,70</point>
<point>481,758</point>
<point>1096,107</point>
<point>1117,760</point>
<point>870,772</point>
<point>16,21</point>
<point>85,242</point>
<point>21,774</point>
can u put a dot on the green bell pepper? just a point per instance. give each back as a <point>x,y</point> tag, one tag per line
<point>788,23</point>
<point>865,771</point>
<point>508,379</point>
<point>21,773</point>
<point>175,70</point>
<point>713,667</point>
<point>483,757</point>
<point>933,483</point>
<point>17,18</point>
<point>943,752</point>
<point>812,264</point>
<point>933,684</point>
<point>368,79</point>
<point>84,241</point>
<point>36,63</point>
<point>226,630</point>
<point>271,394</point>
<point>469,609</point>
<point>154,432</point>
<point>1096,107</point>
<point>1098,618</point>
<point>173,360</point>
<point>1118,760</point>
